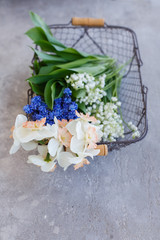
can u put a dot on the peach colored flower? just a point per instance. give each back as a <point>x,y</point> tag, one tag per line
<point>91,137</point>
<point>86,117</point>
<point>34,124</point>
<point>64,136</point>
<point>81,164</point>
<point>64,122</point>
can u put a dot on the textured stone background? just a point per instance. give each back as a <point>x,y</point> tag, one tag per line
<point>117,197</point>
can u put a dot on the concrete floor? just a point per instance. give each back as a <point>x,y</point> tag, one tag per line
<point>117,197</point>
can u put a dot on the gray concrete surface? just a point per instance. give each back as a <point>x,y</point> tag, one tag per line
<point>117,197</point>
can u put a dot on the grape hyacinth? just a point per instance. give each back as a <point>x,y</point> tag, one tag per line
<point>64,108</point>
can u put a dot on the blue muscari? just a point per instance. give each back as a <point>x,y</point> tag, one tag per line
<point>64,108</point>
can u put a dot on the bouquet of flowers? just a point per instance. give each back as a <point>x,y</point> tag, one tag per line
<point>75,103</point>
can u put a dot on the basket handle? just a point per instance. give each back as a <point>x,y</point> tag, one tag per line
<point>91,22</point>
<point>103,150</point>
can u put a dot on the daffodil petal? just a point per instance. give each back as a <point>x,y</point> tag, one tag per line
<point>29,145</point>
<point>42,149</point>
<point>48,167</point>
<point>75,160</point>
<point>53,146</point>
<point>36,159</point>
<point>85,125</point>
<point>91,152</point>
<point>54,130</point>
<point>77,145</point>
<point>27,134</point>
<point>45,132</point>
<point>64,159</point>
<point>60,148</point>
<point>20,119</point>
<point>80,133</point>
<point>14,148</point>
<point>72,127</point>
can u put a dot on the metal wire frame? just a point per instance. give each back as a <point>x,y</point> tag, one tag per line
<point>119,43</point>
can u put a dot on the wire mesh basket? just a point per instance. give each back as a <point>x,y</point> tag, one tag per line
<point>121,44</point>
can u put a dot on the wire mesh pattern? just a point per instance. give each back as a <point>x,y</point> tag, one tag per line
<point>121,44</point>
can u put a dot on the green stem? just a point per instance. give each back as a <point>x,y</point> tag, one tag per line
<point>47,159</point>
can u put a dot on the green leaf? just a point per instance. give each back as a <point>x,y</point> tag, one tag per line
<point>46,69</point>
<point>82,107</point>
<point>37,21</point>
<point>105,99</point>
<point>39,79</point>
<point>49,93</point>
<point>89,68</point>
<point>114,72</point>
<point>36,66</point>
<point>62,83</point>
<point>45,46</point>
<point>60,73</point>
<point>59,90</point>
<point>109,85</point>
<point>117,85</point>
<point>109,94</point>
<point>77,63</point>
<point>36,34</point>
<point>49,57</point>
<point>56,75</point>
<point>70,54</point>
<point>80,93</point>
<point>38,89</point>
<point>52,91</point>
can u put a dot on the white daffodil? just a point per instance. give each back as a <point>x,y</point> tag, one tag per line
<point>43,160</point>
<point>65,159</point>
<point>35,130</point>
<point>83,142</point>
<point>85,135</point>
<point>25,133</point>
<point>17,143</point>
<point>48,155</point>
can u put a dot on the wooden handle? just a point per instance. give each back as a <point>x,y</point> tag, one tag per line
<point>103,150</point>
<point>91,22</point>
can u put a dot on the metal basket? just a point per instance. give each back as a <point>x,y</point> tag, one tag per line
<point>121,44</point>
